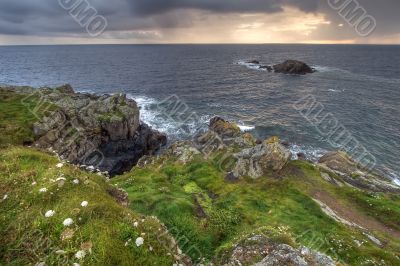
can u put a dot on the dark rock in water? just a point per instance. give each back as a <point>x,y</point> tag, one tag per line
<point>293,67</point>
<point>301,156</point>
<point>255,62</point>
<point>285,143</point>
<point>101,131</point>
<point>269,68</point>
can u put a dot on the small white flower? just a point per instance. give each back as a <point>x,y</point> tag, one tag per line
<point>59,165</point>
<point>84,203</point>
<point>80,254</point>
<point>34,183</point>
<point>43,190</point>
<point>75,264</point>
<point>5,197</point>
<point>68,222</point>
<point>139,241</point>
<point>135,224</point>
<point>75,181</point>
<point>49,213</point>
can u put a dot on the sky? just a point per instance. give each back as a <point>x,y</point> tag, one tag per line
<point>199,21</point>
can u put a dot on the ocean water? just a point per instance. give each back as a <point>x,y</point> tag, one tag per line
<point>359,85</point>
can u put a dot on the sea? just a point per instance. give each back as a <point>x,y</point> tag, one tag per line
<point>358,86</point>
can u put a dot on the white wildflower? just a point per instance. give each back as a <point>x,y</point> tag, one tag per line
<point>75,264</point>
<point>139,241</point>
<point>59,165</point>
<point>75,181</point>
<point>84,203</point>
<point>5,197</point>
<point>68,222</point>
<point>80,254</point>
<point>34,183</point>
<point>135,224</point>
<point>43,190</point>
<point>49,213</point>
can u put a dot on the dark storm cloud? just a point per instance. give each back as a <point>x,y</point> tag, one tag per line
<point>46,17</point>
<point>151,7</point>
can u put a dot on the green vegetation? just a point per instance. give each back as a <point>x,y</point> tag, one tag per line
<point>206,215</point>
<point>103,229</point>
<point>196,202</point>
<point>17,115</point>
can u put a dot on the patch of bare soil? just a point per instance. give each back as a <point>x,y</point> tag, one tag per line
<point>352,215</point>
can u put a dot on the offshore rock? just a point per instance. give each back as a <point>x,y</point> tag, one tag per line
<point>293,67</point>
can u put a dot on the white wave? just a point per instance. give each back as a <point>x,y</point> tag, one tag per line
<point>250,65</point>
<point>246,128</point>
<point>173,126</point>
<point>311,153</point>
<point>324,68</point>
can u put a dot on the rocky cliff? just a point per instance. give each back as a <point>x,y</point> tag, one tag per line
<point>99,132</point>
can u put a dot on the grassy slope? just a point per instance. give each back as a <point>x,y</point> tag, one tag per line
<point>17,115</point>
<point>27,236</point>
<point>168,191</point>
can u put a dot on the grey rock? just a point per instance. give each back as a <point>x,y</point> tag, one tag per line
<point>103,131</point>
<point>270,156</point>
<point>293,67</point>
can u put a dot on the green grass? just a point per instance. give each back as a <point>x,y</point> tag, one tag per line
<point>169,190</point>
<point>28,237</point>
<point>206,215</point>
<point>17,115</point>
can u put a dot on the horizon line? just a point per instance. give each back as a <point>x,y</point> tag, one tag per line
<point>87,44</point>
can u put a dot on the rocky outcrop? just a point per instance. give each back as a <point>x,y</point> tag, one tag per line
<point>293,67</point>
<point>270,156</point>
<point>340,164</point>
<point>224,128</point>
<point>101,131</point>
<point>260,250</point>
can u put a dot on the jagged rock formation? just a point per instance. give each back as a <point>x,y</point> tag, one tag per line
<point>261,159</point>
<point>101,131</point>
<point>341,165</point>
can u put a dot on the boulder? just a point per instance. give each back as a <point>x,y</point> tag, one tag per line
<point>224,128</point>
<point>183,151</point>
<point>270,156</point>
<point>293,67</point>
<point>261,250</point>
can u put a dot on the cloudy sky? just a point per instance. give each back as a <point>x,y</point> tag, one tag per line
<point>195,21</point>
